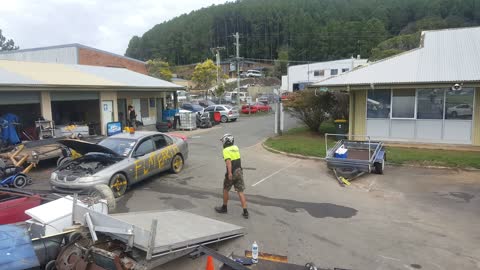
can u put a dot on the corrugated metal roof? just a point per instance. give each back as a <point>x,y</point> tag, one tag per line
<point>74,45</point>
<point>18,73</point>
<point>450,55</point>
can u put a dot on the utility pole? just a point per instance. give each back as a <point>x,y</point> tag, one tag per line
<point>216,52</point>
<point>237,44</point>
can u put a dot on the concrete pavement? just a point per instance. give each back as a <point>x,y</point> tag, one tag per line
<point>409,218</point>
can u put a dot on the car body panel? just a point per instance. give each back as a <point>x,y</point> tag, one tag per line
<point>225,110</point>
<point>83,147</point>
<point>135,167</point>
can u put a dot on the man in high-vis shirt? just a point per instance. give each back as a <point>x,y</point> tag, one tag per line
<point>234,174</point>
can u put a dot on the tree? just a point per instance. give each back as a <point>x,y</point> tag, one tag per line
<point>281,64</point>
<point>7,45</point>
<point>310,107</point>
<point>159,69</point>
<point>205,74</point>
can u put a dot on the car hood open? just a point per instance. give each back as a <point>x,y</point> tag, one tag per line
<point>83,147</point>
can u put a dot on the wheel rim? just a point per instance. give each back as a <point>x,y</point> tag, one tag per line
<point>119,185</point>
<point>224,119</point>
<point>177,164</point>
<point>20,181</point>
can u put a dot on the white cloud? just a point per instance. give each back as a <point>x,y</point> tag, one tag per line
<point>103,24</point>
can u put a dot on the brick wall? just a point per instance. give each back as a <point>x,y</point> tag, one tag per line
<point>96,58</point>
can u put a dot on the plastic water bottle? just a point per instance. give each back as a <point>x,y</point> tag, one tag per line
<point>255,252</point>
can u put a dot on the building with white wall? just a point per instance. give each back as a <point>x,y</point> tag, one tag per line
<point>300,76</point>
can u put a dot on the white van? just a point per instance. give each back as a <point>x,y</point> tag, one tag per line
<point>253,73</point>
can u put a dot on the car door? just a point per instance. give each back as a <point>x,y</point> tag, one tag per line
<point>143,159</point>
<point>164,152</point>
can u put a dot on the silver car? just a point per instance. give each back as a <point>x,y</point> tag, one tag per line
<point>227,112</point>
<point>119,161</point>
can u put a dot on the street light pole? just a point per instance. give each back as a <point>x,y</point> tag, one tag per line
<point>237,44</point>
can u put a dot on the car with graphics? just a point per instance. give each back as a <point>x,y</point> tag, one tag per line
<point>227,112</point>
<point>119,161</point>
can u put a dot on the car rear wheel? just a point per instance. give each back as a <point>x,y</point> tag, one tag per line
<point>224,119</point>
<point>118,184</point>
<point>177,164</point>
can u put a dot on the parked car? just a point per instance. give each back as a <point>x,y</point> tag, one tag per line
<point>286,95</point>
<point>205,103</point>
<point>460,110</point>
<point>119,161</point>
<point>268,98</point>
<point>192,107</point>
<point>227,112</point>
<point>256,107</point>
<point>254,73</point>
<point>181,95</point>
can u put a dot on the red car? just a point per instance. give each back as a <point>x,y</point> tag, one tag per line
<point>13,205</point>
<point>256,107</point>
<point>286,95</point>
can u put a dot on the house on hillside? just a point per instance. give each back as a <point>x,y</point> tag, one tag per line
<point>430,94</point>
<point>229,67</point>
<point>300,76</point>
<point>75,54</point>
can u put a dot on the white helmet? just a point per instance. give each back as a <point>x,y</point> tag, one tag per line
<point>227,139</point>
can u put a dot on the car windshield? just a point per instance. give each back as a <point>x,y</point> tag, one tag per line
<point>228,107</point>
<point>120,146</point>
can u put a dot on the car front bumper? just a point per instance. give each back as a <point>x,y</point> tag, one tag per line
<point>75,186</point>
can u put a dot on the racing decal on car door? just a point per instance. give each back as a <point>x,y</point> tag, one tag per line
<point>155,161</point>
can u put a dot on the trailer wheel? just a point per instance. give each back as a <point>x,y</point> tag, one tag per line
<point>378,167</point>
<point>20,181</point>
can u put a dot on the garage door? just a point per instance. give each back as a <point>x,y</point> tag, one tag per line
<point>11,98</point>
<point>71,96</point>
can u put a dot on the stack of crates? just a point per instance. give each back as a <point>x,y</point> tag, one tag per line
<point>188,120</point>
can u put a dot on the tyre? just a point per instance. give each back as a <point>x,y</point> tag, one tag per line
<point>104,192</point>
<point>62,160</point>
<point>378,167</point>
<point>177,164</point>
<point>50,265</point>
<point>224,119</point>
<point>20,181</point>
<point>118,184</point>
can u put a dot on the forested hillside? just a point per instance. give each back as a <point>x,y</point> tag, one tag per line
<point>310,30</point>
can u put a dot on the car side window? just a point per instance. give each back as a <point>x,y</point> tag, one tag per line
<point>144,148</point>
<point>161,141</point>
<point>219,109</point>
<point>209,109</point>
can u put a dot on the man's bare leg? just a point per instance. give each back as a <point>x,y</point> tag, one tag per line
<point>225,197</point>
<point>241,195</point>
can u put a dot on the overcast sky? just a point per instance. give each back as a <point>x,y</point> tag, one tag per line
<point>103,24</point>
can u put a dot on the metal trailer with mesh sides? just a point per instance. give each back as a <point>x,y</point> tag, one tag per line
<point>151,238</point>
<point>363,156</point>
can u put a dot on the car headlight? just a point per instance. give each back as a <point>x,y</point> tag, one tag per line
<point>53,176</point>
<point>88,179</point>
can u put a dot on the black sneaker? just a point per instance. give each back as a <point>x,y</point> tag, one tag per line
<point>221,209</point>
<point>245,214</point>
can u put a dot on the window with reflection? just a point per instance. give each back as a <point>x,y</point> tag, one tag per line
<point>403,103</point>
<point>378,104</point>
<point>430,103</point>
<point>459,104</point>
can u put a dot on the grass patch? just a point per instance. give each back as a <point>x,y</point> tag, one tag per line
<point>304,142</point>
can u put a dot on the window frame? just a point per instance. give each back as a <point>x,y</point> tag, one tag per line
<point>134,153</point>
<point>414,108</point>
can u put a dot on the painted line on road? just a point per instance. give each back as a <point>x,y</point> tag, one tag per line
<point>293,163</point>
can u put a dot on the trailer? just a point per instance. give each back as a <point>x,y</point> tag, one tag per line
<point>357,158</point>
